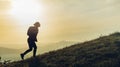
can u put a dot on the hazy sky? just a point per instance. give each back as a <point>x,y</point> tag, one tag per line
<point>74,20</point>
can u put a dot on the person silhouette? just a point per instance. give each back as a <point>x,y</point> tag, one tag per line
<point>32,38</point>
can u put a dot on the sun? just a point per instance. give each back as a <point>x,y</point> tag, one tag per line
<point>26,11</point>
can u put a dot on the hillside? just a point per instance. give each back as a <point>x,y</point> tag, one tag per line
<point>101,52</point>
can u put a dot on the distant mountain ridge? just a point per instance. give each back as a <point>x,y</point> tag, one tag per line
<point>4,50</point>
<point>101,52</point>
<point>54,46</point>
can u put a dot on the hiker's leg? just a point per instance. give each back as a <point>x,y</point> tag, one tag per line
<point>30,47</point>
<point>35,50</point>
<point>27,51</point>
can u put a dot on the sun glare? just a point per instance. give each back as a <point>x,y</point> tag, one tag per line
<point>26,11</point>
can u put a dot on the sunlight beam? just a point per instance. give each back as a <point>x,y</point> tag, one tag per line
<point>26,11</point>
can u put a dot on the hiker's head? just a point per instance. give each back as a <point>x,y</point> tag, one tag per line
<point>37,24</point>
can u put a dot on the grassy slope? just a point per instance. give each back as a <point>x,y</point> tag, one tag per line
<point>101,52</point>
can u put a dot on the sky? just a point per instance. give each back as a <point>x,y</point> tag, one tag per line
<point>71,20</point>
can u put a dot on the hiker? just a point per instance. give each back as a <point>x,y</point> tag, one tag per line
<point>32,38</point>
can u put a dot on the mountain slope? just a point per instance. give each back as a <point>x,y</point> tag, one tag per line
<point>101,52</point>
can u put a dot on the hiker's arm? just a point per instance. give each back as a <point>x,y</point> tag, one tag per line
<point>28,32</point>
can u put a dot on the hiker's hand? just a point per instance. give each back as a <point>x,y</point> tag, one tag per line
<point>36,40</point>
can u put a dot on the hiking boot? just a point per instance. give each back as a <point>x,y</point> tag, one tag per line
<point>22,56</point>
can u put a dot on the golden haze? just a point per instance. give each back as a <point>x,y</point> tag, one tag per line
<point>73,20</point>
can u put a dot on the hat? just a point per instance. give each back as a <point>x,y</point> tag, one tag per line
<point>37,24</point>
